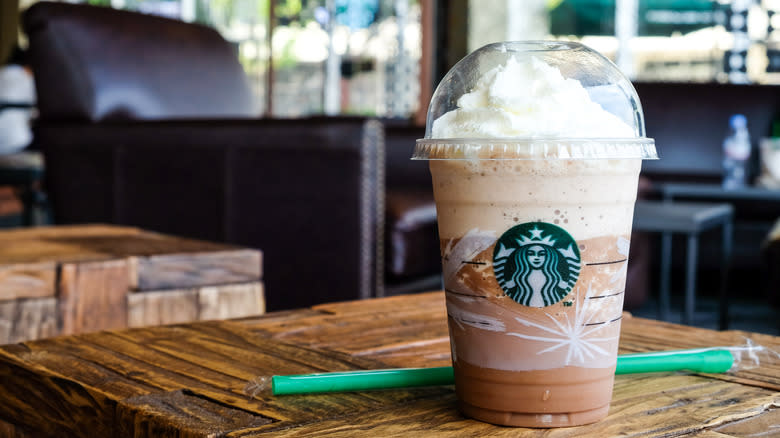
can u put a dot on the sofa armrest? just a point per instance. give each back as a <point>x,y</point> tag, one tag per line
<point>308,192</point>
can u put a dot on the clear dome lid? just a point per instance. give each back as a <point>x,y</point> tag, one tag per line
<point>535,99</point>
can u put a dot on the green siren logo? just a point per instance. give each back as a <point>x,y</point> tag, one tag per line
<point>536,263</point>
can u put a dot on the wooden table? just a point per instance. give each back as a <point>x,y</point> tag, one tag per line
<point>189,380</point>
<point>75,279</point>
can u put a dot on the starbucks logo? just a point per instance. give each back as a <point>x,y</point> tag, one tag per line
<point>536,263</point>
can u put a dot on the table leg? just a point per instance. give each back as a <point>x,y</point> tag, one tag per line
<point>723,323</point>
<point>690,278</point>
<point>666,271</point>
<point>27,196</point>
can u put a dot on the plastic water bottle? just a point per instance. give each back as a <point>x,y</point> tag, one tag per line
<point>736,153</point>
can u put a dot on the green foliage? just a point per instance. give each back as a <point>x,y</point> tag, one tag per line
<point>231,9</point>
<point>288,8</point>
<point>286,59</point>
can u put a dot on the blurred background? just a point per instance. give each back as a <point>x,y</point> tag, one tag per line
<point>366,56</point>
<point>695,64</point>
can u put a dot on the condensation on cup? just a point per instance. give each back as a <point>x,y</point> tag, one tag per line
<point>535,150</point>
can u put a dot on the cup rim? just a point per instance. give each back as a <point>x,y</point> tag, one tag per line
<point>534,148</point>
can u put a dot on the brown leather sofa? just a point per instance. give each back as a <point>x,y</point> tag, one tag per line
<point>149,122</point>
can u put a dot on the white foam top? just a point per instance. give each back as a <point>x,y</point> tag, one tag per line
<point>528,100</point>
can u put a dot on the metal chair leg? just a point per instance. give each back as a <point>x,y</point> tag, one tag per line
<point>666,272</point>
<point>690,278</point>
<point>27,196</point>
<point>723,320</point>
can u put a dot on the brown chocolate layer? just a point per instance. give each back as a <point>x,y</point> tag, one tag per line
<point>521,419</point>
<point>565,396</point>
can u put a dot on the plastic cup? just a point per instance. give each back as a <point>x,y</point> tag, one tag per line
<point>534,231</point>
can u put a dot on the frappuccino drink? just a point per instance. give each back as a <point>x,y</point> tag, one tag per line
<point>535,150</point>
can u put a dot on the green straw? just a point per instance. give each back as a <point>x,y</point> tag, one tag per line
<point>702,361</point>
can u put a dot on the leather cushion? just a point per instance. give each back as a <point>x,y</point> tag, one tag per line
<point>402,171</point>
<point>96,63</point>
<point>412,239</point>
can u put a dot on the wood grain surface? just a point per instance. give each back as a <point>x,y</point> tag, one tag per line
<point>93,296</point>
<point>195,269</point>
<point>162,307</point>
<point>186,305</point>
<point>28,280</point>
<point>189,380</point>
<point>28,318</point>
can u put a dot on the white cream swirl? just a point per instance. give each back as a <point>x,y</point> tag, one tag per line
<point>528,100</point>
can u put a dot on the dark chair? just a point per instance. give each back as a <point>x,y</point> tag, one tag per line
<point>770,255</point>
<point>149,122</point>
<point>412,253</point>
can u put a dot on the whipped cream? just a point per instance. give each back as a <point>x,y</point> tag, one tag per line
<point>528,100</point>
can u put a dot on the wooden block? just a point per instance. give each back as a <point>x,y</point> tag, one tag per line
<point>93,296</point>
<point>94,242</point>
<point>41,250</point>
<point>27,319</point>
<point>58,244</point>
<point>231,301</point>
<point>162,307</point>
<point>27,280</point>
<point>174,271</point>
<point>148,243</point>
<point>187,305</point>
<point>142,243</point>
<point>99,264</point>
<point>65,231</point>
